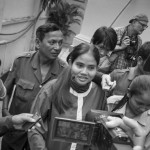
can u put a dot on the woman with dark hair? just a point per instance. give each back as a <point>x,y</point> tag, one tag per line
<point>105,39</point>
<point>136,104</point>
<point>71,96</point>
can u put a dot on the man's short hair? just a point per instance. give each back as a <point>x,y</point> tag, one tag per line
<point>43,29</point>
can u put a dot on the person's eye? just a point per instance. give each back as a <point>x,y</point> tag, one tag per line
<point>139,103</point>
<point>80,65</point>
<point>52,42</point>
<point>60,42</point>
<point>91,67</point>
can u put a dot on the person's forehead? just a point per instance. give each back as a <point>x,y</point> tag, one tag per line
<point>87,58</point>
<point>54,34</point>
<point>144,97</point>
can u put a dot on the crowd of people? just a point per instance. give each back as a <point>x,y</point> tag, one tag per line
<point>106,74</point>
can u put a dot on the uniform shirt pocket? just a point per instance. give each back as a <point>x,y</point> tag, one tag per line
<point>24,89</point>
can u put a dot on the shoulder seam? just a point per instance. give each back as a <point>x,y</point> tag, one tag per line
<point>25,54</point>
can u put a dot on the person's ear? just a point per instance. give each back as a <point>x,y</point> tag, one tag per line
<point>140,60</point>
<point>37,43</point>
<point>69,62</point>
<point>128,93</point>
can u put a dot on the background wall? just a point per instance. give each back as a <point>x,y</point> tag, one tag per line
<point>15,16</point>
<point>103,12</point>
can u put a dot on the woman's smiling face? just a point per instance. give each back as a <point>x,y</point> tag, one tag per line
<point>84,68</point>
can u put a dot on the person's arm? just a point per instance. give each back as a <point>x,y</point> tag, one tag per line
<point>123,45</point>
<point>41,106</point>
<point>133,129</point>
<point>5,125</point>
<point>9,84</point>
<point>9,123</point>
<point>122,40</point>
<point>98,78</point>
<point>36,136</point>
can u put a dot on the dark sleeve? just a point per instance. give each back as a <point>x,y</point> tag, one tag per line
<point>5,125</point>
<point>98,78</point>
<point>41,106</point>
<point>116,74</point>
<point>10,84</point>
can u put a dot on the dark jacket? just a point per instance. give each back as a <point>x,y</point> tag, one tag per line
<point>41,139</point>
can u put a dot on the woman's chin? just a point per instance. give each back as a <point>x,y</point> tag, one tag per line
<point>81,82</point>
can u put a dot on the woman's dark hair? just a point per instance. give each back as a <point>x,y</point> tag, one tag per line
<point>61,96</point>
<point>105,35</point>
<point>137,87</point>
<point>43,29</point>
<point>144,50</point>
<point>82,49</point>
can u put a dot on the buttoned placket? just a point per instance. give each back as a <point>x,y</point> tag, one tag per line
<point>79,107</point>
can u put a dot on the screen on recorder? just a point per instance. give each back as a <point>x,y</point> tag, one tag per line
<point>72,130</point>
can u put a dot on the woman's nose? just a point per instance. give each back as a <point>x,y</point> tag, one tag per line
<point>84,70</point>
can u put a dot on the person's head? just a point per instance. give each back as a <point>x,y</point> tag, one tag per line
<point>139,94</point>
<point>143,54</point>
<point>83,60</point>
<point>105,39</point>
<point>49,40</point>
<point>139,23</point>
<point>83,63</point>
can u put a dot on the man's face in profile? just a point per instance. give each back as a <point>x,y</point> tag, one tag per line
<point>51,45</point>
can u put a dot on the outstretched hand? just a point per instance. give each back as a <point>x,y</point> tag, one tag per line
<point>19,120</point>
<point>139,132</point>
<point>132,127</point>
<point>106,83</point>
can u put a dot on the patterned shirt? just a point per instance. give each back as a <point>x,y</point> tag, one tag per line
<point>125,58</point>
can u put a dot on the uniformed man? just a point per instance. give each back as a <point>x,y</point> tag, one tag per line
<point>28,74</point>
<point>125,76</point>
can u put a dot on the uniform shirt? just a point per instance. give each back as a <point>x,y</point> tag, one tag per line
<point>26,76</point>
<point>82,103</point>
<point>143,119</point>
<point>123,79</point>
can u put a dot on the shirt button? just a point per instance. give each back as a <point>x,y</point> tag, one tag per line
<point>40,86</point>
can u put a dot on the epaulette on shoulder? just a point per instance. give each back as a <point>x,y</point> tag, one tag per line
<point>26,54</point>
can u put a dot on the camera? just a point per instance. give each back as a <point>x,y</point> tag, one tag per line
<point>132,42</point>
<point>92,132</point>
